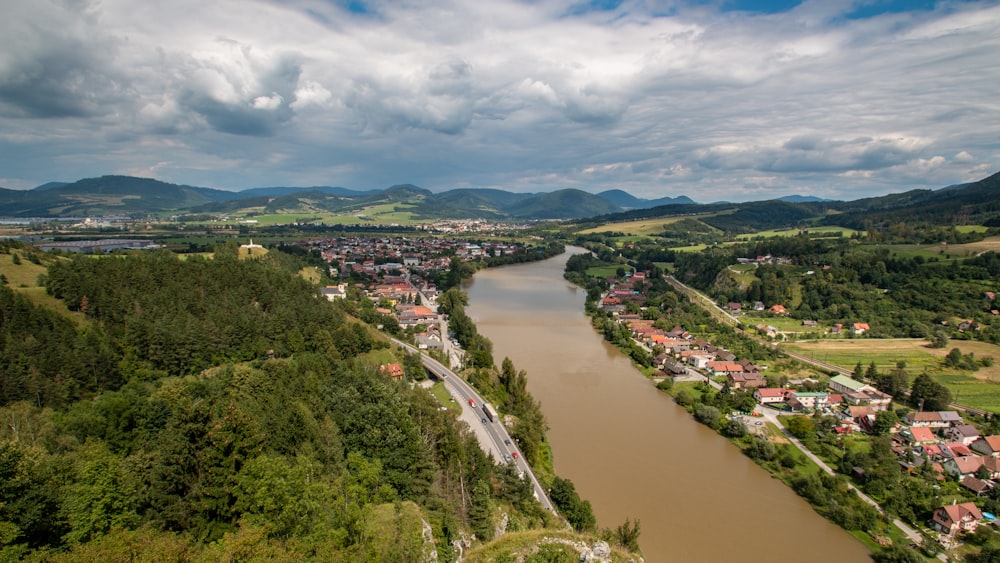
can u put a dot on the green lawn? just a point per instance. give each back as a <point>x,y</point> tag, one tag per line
<point>444,397</point>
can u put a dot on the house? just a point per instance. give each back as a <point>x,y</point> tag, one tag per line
<point>964,433</point>
<point>956,518</point>
<point>769,395</point>
<point>745,380</point>
<point>810,399</point>
<point>956,449</point>
<point>395,371</point>
<point>858,393</point>
<point>860,328</point>
<point>919,435</point>
<point>986,445</point>
<point>979,487</point>
<point>809,323</point>
<point>724,368</point>
<point>734,306</point>
<point>699,361</point>
<point>931,419</point>
<point>777,310</point>
<point>332,292</point>
<point>960,466</point>
<point>951,418</point>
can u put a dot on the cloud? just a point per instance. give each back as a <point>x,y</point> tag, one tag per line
<point>51,75</point>
<point>659,98</point>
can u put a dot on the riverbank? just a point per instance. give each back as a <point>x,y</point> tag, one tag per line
<point>771,446</point>
<point>628,448</point>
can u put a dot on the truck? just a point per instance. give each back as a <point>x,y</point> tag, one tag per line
<point>488,413</point>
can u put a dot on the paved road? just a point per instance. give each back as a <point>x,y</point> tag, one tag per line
<point>771,415</point>
<point>499,441</point>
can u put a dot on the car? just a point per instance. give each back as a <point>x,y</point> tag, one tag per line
<point>514,454</point>
<point>759,423</point>
<point>506,442</point>
<point>483,420</point>
<point>507,458</point>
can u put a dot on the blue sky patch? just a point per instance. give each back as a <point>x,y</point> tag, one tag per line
<point>872,8</point>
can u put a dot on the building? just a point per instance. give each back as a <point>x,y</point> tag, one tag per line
<point>395,371</point>
<point>858,393</point>
<point>770,395</point>
<point>956,518</point>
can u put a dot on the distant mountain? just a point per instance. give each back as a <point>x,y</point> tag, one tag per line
<point>626,200</point>
<point>49,186</point>
<point>801,198</point>
<point>281,191</point>
<point>107,195</point>
<point>562,204</point>
<point>974,203</point>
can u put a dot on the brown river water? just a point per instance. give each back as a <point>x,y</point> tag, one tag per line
<point>628,448</point>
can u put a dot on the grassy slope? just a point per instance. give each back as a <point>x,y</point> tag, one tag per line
<point>23,278</point>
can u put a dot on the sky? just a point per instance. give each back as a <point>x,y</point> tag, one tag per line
<point>736,100</point>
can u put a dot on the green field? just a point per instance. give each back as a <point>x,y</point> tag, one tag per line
<point>644,227</point>
<point>971,229</point>
<point>973,392</point>
<point>979,389</point>
<point>609,271</point>
<point>783,324</point>
<point>814,232</point>
<point>885,353</point>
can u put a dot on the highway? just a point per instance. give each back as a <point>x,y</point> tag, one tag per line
<point>502,442</point>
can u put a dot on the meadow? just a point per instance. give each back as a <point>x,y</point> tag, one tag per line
<point>813,232</point>
<point>979,389</point>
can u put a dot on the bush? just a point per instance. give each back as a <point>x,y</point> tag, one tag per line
<point>707,415</point>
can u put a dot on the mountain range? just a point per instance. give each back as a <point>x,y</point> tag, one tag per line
<point>977,202</point>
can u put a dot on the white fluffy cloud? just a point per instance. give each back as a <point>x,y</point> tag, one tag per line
<point>508,94</point>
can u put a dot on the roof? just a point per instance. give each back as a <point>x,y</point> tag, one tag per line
<point>975,485</point>
<point>958,449</point>
<point>968,463</point>
<point>771,392</point>
<point>967,430</point>
<point>922,434</point>
<point>858,411</point>
<point>924,416</point>
<point>958,512</point>
<point>950,416</point>
<point>847,382</point>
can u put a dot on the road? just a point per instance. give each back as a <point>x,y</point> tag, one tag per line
<point>498,440</point>
<point>771,415</point>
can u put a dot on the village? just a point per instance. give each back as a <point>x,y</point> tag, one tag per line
<point>944,442</point>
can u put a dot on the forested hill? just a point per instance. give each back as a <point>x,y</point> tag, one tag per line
<point>219,409</point>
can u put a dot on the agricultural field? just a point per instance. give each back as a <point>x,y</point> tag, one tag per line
<point>979,389</point>
<point>783,324</point>
<point>970,248</point>
<point>814,232</point>
<point>643,227</point>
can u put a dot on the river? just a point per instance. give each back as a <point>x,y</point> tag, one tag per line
<point>628,448</point>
